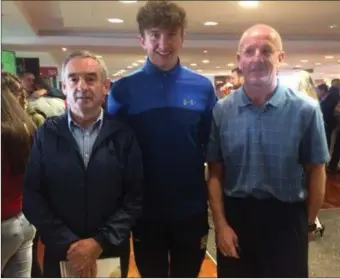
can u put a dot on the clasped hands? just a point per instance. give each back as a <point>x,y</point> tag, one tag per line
<point>82,255</point>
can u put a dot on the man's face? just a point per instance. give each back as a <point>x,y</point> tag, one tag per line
<point>259,59</point>
<point>336,84</point>
<point>162,46</point>
<point>83,85</point>
<point>28,82</point>
<point>236,80</point>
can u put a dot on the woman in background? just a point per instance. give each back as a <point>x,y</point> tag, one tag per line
<point>17,233</point>
<point>306,85</point>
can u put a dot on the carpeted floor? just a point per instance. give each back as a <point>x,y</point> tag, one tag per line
<point>324,253</point>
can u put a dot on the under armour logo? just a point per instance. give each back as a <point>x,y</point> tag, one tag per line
<point>187,102</point>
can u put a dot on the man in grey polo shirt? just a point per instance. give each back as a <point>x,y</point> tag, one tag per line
<point>263,138</point>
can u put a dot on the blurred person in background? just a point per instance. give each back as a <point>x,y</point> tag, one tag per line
<point>12,83</point>
<point>169,107</point>
<point>305,84</point>
<point>322,91</point>
<point>27,79</point>
<point>17,233</point>
<point>41,99</point>
<point>43,87</point>
<point>237,78</point>
<point>328,105</point>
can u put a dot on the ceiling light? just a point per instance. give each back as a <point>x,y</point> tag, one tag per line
<point>199,70</point>
<point>284,64</point>
<point>317,63</point>
<point>210,23</point>
<point>99,56</point>
<point>127,2</point>
<point>329,57</point>
<point>304,61</point>
<point>64,49</point>
<point>129,67</point>
<point>230,64</point>
<point>134,64</point>
<point>193,64</point>
<point>205,61</point>
<point>332,26</point>
<point>298,66</point>
<point>115,20</point>
<point>248,4</point>
<point>141,61</point>
<point>205,51</point>
<point>338,61</point>
<point>217,67</point>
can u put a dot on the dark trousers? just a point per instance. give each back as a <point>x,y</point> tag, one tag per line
<point>51,267</point>
<point>329,131</point>
<point>333,164</point>
<point>36,270</point>
<point>273,239</point>
<point>171,249</point>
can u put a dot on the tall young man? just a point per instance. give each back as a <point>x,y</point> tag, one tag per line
<point>169,106</point>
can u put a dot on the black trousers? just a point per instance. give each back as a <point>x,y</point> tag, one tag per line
<point>51,267</point>
<point>171,249</point>
<point>36,270</point>
<point>273,239</point>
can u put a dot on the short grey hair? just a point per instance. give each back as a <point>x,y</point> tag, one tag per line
<point>85,54</point>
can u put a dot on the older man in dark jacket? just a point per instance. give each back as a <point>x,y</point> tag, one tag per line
<point>83,182</point>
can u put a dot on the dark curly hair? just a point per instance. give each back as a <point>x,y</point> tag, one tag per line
<point>161,14</point>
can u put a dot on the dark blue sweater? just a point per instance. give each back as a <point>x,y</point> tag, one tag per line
<point>170,113</point>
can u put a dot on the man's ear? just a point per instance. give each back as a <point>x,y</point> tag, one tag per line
<point>107,85</point>
<point>63,88</point>
<point>141,41</point>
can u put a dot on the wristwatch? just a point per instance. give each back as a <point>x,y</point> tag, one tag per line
<point>311,227</point>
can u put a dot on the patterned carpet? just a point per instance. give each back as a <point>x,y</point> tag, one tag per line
<point>324,253</point>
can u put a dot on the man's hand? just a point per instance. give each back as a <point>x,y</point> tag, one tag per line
<point>227,241</point>
<point>83,255</point>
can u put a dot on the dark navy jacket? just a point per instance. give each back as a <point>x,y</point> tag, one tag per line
<point>67,202</point>
<point>170,113</point>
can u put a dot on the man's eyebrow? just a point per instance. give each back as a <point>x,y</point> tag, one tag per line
<point>93,74</point>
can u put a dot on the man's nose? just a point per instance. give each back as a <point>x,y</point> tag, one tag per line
<point>82,84</point>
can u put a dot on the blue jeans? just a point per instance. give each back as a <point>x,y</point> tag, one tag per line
<point>16,247</point>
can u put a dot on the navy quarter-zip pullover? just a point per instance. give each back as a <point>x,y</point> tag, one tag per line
<point>170,112</point>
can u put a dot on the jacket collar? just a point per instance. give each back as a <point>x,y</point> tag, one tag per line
<point>59,125</point>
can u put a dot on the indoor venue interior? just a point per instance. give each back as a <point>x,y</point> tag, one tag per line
<point>37,37</point>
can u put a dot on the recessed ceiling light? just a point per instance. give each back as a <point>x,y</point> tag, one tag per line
<point>193,64</point>
<point>329,57</point>
<point>248,4</point>
<point>99,56</point>
<point>210,23</point>
<point>230,64</point>
<point>199,70</point>
<point>129,67</point>
<point>217,67</point>
<point>134,64</point>
<point>205,51</point>
<point>304,61</point>
<point>205,61</point>
<point>317,63</point>
<point>332,26</point>
<point>115,20</point>
<point>298,66</point>
<point>128,2</point>
<point>64,49</point>
<point>141,61</point>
